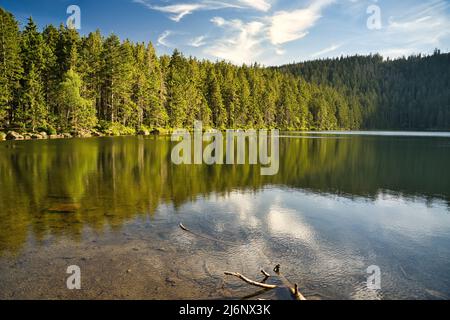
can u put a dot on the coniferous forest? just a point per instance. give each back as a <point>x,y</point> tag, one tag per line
<point>56,81</point>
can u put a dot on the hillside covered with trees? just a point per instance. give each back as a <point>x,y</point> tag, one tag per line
<point>55,80</point>
<point>409,93</point>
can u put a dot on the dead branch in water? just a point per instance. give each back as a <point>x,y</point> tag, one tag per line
<point>184,228</point>
<point>266,275</point>
<point>295,292</point>
<point>204,237</point>
<point>297,295</point>
<point>251,282</point>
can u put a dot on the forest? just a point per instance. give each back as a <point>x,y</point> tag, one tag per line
<point>56,81</point>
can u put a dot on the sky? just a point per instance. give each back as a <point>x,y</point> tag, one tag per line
<point>269,32</point>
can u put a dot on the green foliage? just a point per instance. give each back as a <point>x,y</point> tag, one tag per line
<point>10,65</point>
<point>369,92</point>
<point>116,129</point>
<point>77,114</point>
<point>59,80</point>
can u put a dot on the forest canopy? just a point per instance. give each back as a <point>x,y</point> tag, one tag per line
<point>56,80</point>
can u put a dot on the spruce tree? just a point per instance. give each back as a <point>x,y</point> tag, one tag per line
<point>10,66</point>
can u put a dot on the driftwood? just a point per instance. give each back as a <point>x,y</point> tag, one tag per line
<point>294,291</point>
<point>251,282</point>
<point>297,294</point>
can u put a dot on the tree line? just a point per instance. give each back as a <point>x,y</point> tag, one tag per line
<point>408,93</point>
<point>56,80</point>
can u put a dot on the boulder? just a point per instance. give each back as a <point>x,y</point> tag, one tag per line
<point>43,135</point>
<point>12,135</point>
<point>97,134</point>
<point>2,136</point>
<point>37,136</point>
<point>143,133</point>
<point>66,135</point>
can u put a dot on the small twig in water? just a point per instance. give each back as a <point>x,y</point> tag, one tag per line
<point>265,274</point>
<point>251,282</point>
<point>277,268</point>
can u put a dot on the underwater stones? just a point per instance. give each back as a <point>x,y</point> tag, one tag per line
<point>64,208</point>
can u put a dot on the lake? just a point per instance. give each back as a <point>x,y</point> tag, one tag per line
<point>339,204</point>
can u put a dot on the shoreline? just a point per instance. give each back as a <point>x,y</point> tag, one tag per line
<point>33,136</point>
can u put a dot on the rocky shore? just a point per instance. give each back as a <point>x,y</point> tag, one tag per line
<point>16,136</point>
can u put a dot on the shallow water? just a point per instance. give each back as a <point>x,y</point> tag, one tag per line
<point>340,203</point>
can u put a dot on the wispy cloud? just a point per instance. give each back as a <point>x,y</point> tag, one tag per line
<point>241,43</point>
<point>162,39</point>
<point>198,42</point>
<point>421,29</point>
<point>287,26</point>
<point>261,5</point>
<point>179,10</point>
<point>329,49</point>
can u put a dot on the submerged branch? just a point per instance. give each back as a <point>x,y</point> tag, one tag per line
<point>251,282</point>
<point>265,274</point>
<point>297,295</point>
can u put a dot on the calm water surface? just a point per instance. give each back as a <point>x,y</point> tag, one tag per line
<point>340,203</point>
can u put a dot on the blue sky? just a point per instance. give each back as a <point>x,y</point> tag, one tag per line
<point>270,32</point>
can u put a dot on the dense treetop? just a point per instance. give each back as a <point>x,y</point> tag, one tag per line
<point>57,80</point>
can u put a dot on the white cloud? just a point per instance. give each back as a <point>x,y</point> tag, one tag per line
<point>293,25</point>
<point>326,50</point>
<point>218,21</point>
<point>198,42</point>
<point>245,42</point>
<point>179,10</point>
<point>261,5</point>
<point>420,30</point>
<point>162,39</point>
<point>241,43</point>
<point>421,27</point>
<point>280,51</point>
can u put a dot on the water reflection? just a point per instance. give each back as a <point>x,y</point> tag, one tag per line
<point>338,205</point>
<point>109,181</point>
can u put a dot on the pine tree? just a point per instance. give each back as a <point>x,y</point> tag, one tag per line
<point>90,67</point>
<point>215,101</point>
<point>33,106</point>
<point>10,66</point>
<point>33,111</point>
<point>177,78</point>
